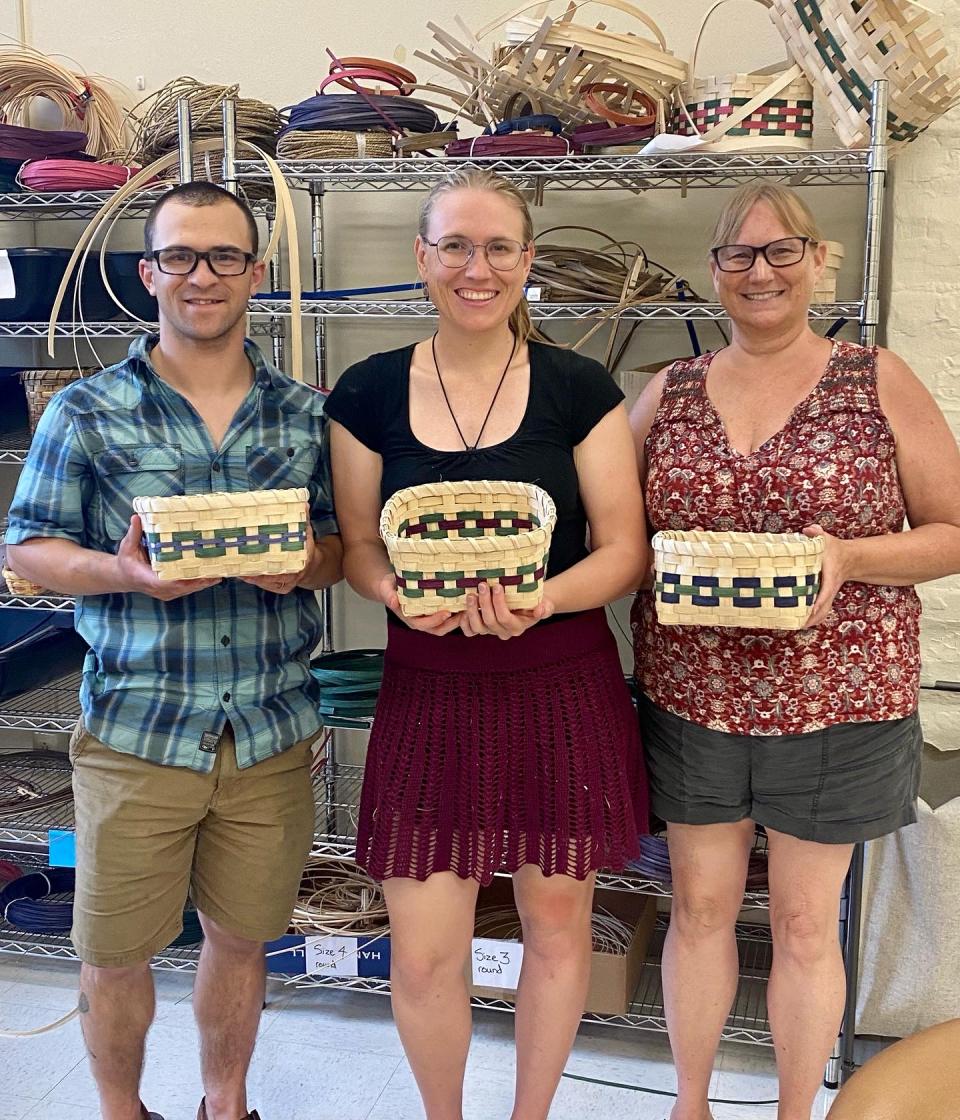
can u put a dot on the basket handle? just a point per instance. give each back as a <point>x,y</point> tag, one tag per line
<point>703,24</point>
<point>774,86</point>
<point>620,5</point>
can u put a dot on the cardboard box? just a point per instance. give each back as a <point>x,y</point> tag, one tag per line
<point>613,978</point>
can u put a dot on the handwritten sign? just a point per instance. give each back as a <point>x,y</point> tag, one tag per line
<point>496,964</point>
<point>331,956</point>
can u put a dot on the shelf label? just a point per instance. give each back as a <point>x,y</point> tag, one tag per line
<point>533,294</point>
<point>63,848</point>
<point>495,963</point>
<point>8,285</point>
<point>331,956</point>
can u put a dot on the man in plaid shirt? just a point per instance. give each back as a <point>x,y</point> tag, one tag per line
<point>192,756</point>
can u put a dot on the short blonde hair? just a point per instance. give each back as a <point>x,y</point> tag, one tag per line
<point>479,179</point>
<point>789,207</point>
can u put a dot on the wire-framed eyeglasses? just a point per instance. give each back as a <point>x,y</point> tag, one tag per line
<point>781,253</point>
<point>180,261</point>
<point>502,253</point>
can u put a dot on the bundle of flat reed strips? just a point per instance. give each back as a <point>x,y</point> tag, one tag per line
<point>336,897</point>
<point>618,270</point>
<point>335,144</point>
<point>156,118</point>
<point>85,102</point>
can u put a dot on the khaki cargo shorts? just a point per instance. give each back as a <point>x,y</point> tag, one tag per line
<point>236,840</point>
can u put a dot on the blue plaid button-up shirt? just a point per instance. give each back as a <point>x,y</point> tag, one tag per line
<point>160,674</point>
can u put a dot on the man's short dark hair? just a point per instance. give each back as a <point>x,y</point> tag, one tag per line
<point>199,193</point>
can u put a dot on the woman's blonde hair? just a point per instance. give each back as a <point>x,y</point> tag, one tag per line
<point>792,212</point>
<point>478,179</point>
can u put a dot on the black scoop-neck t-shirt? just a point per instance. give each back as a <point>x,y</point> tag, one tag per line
<point>568,395</point>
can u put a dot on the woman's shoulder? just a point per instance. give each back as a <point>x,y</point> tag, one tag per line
<point>375,367</point>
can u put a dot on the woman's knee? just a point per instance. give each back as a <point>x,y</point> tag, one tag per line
<point>697,915</point>
<point>555,918</point>
<point>804,935</point>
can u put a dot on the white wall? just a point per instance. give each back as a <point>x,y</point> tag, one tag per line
<point>276,52</point>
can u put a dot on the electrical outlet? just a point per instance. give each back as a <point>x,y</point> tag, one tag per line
<point>140,82</point>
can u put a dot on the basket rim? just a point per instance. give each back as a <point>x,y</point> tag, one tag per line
<point>709,543</point>
<point>220,500</point>
<point>530,489</point>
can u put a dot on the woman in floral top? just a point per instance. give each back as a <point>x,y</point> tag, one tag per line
<point>813,733</point>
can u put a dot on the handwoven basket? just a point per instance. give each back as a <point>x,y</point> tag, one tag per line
<point>18,586</point>
<point>202,536</point>
<point>753,580</point>
<point>844,46</point>
<point>40,385</point>
<point>446,538</point>
<point>826,289</point>
<point>768,110</point>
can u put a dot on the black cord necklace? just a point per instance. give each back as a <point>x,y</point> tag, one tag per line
<point>493,400</point>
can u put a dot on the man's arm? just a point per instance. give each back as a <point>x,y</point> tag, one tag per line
<point>66,567</point>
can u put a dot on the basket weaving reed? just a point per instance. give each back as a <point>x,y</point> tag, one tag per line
<point>202,536</point>
<point>753,580</point>
<point>40,385</point>
<point>446,538</point>
<point>844,46</point>
<point>19,586</point>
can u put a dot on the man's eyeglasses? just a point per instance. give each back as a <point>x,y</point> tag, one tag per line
<point>781,253</point>
<point>502,253</point>
<point>178,261</point>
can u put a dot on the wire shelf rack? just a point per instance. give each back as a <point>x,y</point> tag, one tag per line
<point>633,172</point>
<point>53,707</point>
<point>747,1021</point>
<point>675,311</point>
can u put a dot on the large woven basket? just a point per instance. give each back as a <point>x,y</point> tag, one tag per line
<point>844,46</point>
<point>202,536</point>
<point>754,580</point>
<point>40,386</point>
<point>446,538</point>
<point>768,110</point>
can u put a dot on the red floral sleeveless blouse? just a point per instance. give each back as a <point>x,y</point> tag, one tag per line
<point>833,464</point>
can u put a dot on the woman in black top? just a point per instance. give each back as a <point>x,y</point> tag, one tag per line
<point>489,753</point>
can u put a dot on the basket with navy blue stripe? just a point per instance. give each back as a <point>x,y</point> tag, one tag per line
<point>753,580</point>
<point>205,536</point>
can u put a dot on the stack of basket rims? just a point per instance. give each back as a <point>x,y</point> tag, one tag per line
<point>204,536</point>
<point>825,290</point>
<point>751,580</point>
<point>444,539</point>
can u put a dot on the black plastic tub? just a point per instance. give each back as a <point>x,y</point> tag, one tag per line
<point>37,274</point>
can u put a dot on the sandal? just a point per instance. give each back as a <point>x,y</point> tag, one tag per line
<point>202,1113</point>
<point>145,1114</point>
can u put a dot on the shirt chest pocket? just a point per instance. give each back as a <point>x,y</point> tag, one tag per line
<point>281,467</point>
<point>153,470</point>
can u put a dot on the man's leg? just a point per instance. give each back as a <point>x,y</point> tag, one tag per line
<point>116,1009</point>
<point>251,849</point>
<point>227,1000</point>
<point>136,828</point>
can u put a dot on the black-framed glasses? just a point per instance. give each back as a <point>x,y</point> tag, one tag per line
<point>781,253</point>
<point>502,253</point>
<point>180,261</point>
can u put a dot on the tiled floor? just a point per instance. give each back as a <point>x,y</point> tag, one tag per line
<point>327,1055</point>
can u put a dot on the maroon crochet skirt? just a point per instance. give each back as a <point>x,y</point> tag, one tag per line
<point>488,754</point>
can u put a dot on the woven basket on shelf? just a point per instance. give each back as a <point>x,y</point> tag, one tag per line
<point>40,385</point>
<point>844,46</point>
<point>446,538</point>
<point>19,586</point>
<point>202,536</point>
<point>826,289</point>
<point>767,110</point>
<point>754,580</point>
